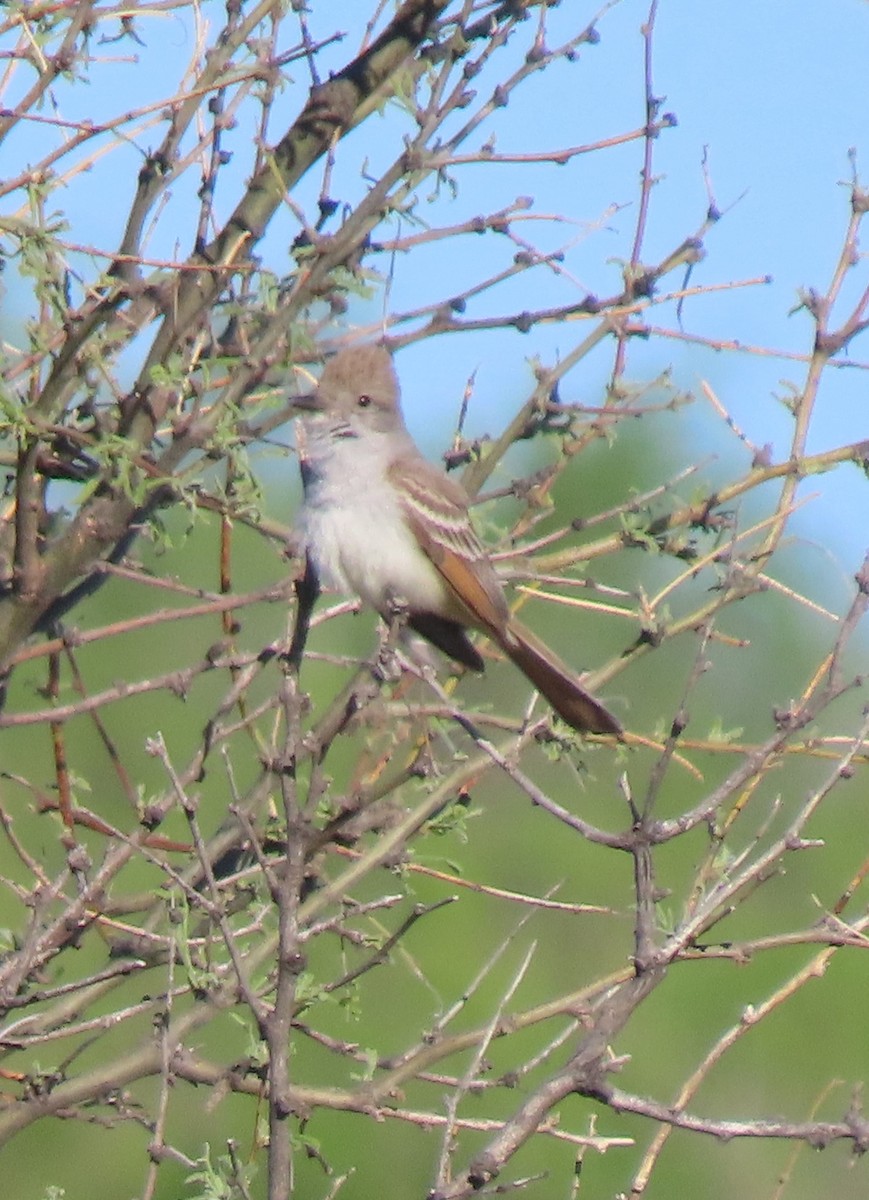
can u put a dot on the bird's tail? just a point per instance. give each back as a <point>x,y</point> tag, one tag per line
<point>556,682</point>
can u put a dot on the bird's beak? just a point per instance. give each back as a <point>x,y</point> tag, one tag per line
<point>307,403</point>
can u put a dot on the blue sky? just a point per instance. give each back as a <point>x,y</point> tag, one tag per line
<point>775,94</point>
<point>773,91</point>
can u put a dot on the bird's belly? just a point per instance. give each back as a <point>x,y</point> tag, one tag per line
<point>370,551</point>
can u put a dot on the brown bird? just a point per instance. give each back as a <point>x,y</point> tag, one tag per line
<point>380,521</point>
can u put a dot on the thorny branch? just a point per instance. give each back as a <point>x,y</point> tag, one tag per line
<point>275,866</point>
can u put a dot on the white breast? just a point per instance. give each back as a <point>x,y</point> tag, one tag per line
<point>358,538</point>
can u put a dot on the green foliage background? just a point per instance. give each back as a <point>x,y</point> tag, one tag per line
<point>307,259</point>
<point>784,1066</point>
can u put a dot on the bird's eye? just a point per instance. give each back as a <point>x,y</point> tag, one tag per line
<point>364,401</point>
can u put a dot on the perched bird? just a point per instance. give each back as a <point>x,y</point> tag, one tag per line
<point>380,521</point>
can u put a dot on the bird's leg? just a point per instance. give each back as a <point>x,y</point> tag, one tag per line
<point>395,614</point>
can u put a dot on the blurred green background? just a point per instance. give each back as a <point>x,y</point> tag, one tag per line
<point>804,1059</point>
<point>776,92</point>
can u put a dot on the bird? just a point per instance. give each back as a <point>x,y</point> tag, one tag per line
<point>380,521</point>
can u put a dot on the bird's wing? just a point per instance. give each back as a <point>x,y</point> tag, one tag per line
<point>436,509</point>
